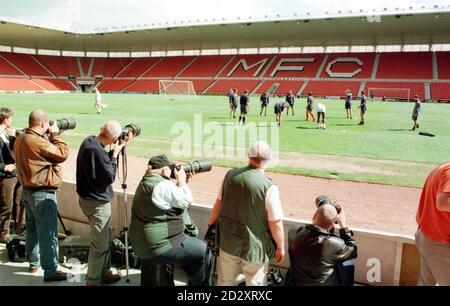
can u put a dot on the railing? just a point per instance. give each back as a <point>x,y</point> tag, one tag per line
<point>383,258</point>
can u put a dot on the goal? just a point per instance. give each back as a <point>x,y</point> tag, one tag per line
<point>171,87</point>
<point>389,94</point>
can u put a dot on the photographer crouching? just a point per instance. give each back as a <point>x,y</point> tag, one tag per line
<point>96,172</point>
<point>317,256</point>
<point>39,152</point>
<point>158,223</point>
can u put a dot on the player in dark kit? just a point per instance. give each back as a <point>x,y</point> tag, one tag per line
<point>278,109</point>
<point>232,97</point>
<point>309,107</point>
<point>264,102</point>
<point>415,113</point>
<point>363,107</point>
<point>244,102</point>
<point>290,98</point>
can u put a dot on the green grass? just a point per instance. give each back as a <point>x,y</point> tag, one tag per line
<point>385,137</point>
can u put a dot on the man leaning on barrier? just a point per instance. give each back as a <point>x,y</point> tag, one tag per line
<point>39,152</point>
<point>249,217</point>
<point>316,255</point>
<point>157,227</point>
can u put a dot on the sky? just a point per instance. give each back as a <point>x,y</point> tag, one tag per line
<point>83,16</point>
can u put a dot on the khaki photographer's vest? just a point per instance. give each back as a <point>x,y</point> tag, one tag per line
<point>243,222</point>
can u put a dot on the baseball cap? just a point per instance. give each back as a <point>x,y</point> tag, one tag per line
<point>159,161</point>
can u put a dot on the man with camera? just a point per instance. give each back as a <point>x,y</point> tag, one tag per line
<point>39,152</point>
<point>433,233</point>
<point>157,228</point>
<point>290,99</point>
<point>8,178</point>
<point>249,217</point>
<point>316,255</point>
<point>96,171</point>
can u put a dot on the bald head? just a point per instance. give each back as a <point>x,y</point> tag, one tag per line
<point>111,130</point>
<point>325,216</point>
<point>260,154</point>
<point>37,118</point>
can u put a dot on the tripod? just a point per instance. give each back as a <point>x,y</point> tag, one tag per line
<point>125,200</point>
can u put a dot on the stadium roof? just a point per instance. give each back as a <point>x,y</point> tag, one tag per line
<point>428,27</point>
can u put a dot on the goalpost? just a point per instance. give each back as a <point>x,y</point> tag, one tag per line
<point>389,94</point>
<point>171,87</point>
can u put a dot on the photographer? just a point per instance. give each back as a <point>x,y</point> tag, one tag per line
<point>316,254</point>
<point>39,152</point>
<point>96,171</point>
<point>249,217</point>
<point>157,229</point>
<point>8,178</point>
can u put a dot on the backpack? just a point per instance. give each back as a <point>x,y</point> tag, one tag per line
<point>16,248</point>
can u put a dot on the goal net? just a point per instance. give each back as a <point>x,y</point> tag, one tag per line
<point>171,87</point>
<point>389,94</point>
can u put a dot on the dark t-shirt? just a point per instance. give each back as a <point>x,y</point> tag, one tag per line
<point>290,99</point>
<point>309,103</point>
<point>96,171</point>
<point>243,100</point>
<point>264,100</point>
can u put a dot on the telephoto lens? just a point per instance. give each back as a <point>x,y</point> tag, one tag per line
<point>197,166</point>
<point>65,123</point>
<point>134,128</point>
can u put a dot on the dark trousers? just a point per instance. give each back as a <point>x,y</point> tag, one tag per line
<point>191,255</point>
<point>6,203</point>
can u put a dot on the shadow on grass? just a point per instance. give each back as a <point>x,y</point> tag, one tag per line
<point>305,128</point>
<point>398,130</point>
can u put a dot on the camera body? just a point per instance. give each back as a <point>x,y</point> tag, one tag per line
<point>197,166</point>
<point>134,128</point>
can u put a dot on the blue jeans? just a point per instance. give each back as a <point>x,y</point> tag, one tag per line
<point>42,230</point>
<point>190,255</point>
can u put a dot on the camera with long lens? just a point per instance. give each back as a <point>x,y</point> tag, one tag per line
<point>64,123</point>
<point>197,166</point>
<point>323,199</point>
<point>134,128</point>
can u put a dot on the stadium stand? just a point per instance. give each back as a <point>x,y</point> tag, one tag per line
<point>54,84</point>
<point>109,67</point>
<point>275,87</point>
<point>358,65</point>
<point>206,66</point>
<point>331,88</point>
<point>26,63</point>
<point>223,86</point>
<point>60,66</point>
<point>416,88</point>
<point>310,67</point>
<point>443,60</point>
<point>405,65</point>
<point>168,67</point>
<point>138,66</point>
<point>256,73</point>
<point>440,91</point>
<point>18,84</point>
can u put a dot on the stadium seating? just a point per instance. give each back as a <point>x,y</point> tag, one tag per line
<point>281,87</point>
<point>60,66</point>
<point>138,66</point>
<point>223,86</point>
<point>168,67</point>
<point>256,72</point>
<point>440,91</point>
<point>331,88</point>
<point>109,67</point>
<point>309,68</point>
<point>206,66</point>
<point>405,65</point>
<point>114,85</point>
<point>18,84</point>
<point>7,69</point>
<point>443,59</point>
<point>340,65</point>
<point>415,88</point>
<point>26,63</point>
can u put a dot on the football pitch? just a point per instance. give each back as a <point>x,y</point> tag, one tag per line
<point>382,151</point>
